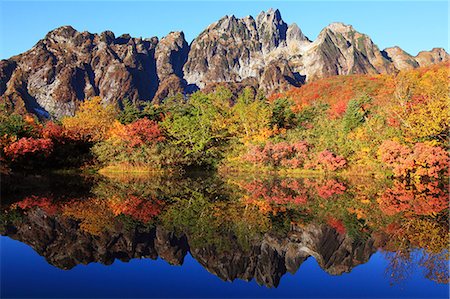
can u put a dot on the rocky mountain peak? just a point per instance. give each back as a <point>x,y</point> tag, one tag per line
<point>339,27</point>
<point>403,60</point>
<point>171,55</point>
<point>68,66</point>
<point>107,37</point>
<point>62,32</point>
<point>339,34</point>
<point>400,58</point>
<point>294,35</point>
<point>436,55</point>
<point>271,29</point>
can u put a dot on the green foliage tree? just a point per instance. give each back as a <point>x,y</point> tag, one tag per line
<point>250,118</point>
<point>130,112</point>
<point>356,113</point>
<point>14,124</point>
<point>152,111</point>
<point>282,114</point>
<point>196,129</point>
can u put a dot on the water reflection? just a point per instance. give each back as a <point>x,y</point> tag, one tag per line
<point>236,228</point>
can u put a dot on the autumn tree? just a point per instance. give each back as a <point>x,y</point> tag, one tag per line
<point>134,144</point>
<point>250,119</point>
<point>91,121</point>
<point>422,103</point>
<point>423,160</point>
<point>198,130</point>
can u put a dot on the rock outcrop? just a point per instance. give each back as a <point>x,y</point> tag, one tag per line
<point>436,55</point>
<point>67,66</point>
<point>403,60</point>
<point>400,59</point>
<point>340,50</point>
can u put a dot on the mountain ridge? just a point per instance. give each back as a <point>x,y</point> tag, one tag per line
<point>67,66</point>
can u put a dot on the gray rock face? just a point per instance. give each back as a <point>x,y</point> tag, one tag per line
<point>295,35</point>
<point>68,66</point>
<point>171,54</point>
<point>341,50</point>
<point>271,30</point>
<point>228,50</point>
<point>64,244</point>
<point>236,49</point>
<point>403,60</point>
<point>436,55</point>
<point>400,59</point>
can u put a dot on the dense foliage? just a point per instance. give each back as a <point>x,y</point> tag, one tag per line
<point>394,123</point>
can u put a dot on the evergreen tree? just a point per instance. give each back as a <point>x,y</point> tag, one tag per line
<point>130,112</point>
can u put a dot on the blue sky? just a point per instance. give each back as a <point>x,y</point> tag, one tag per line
<point>414,26</point>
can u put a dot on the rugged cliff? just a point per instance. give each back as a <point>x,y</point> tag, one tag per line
<point>67,66</point>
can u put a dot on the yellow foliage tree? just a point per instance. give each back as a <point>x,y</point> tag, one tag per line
<point>92,120</point>
<point>250,119</point>
<point>422,103</point>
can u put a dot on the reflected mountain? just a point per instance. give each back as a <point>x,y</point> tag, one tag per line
<point>247,229</point>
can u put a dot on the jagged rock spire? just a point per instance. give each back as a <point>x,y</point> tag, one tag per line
<point>271,29</point>
<point>68,66</point>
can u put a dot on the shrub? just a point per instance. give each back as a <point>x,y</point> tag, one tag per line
<point>141,132</point>
<point>26,146</point>
<point>420,161</point>
<point>134,144</point>
<point>291,155</point>
<point>328,161</point>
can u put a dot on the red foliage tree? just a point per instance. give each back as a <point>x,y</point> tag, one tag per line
<point>143,131</point>
<point>422,160</point>
<point>140,132</point>
<point>329,161</point>
<point>29,145</point>
<point>279,154</point>
<point>52,131</point>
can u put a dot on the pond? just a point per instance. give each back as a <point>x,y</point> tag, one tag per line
<point>204,235</point>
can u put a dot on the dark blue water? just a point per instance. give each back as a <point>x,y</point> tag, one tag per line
<point>26,274</point>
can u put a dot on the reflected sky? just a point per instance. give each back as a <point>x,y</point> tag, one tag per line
<point>26,274</point>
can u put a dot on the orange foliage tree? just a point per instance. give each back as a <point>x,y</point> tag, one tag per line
<point>421,102</point>
<point>28,146</point>
<point>422,160</point>
<point>91,121</point>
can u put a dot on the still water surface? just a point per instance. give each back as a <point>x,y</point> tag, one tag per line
<point>205,236</point>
